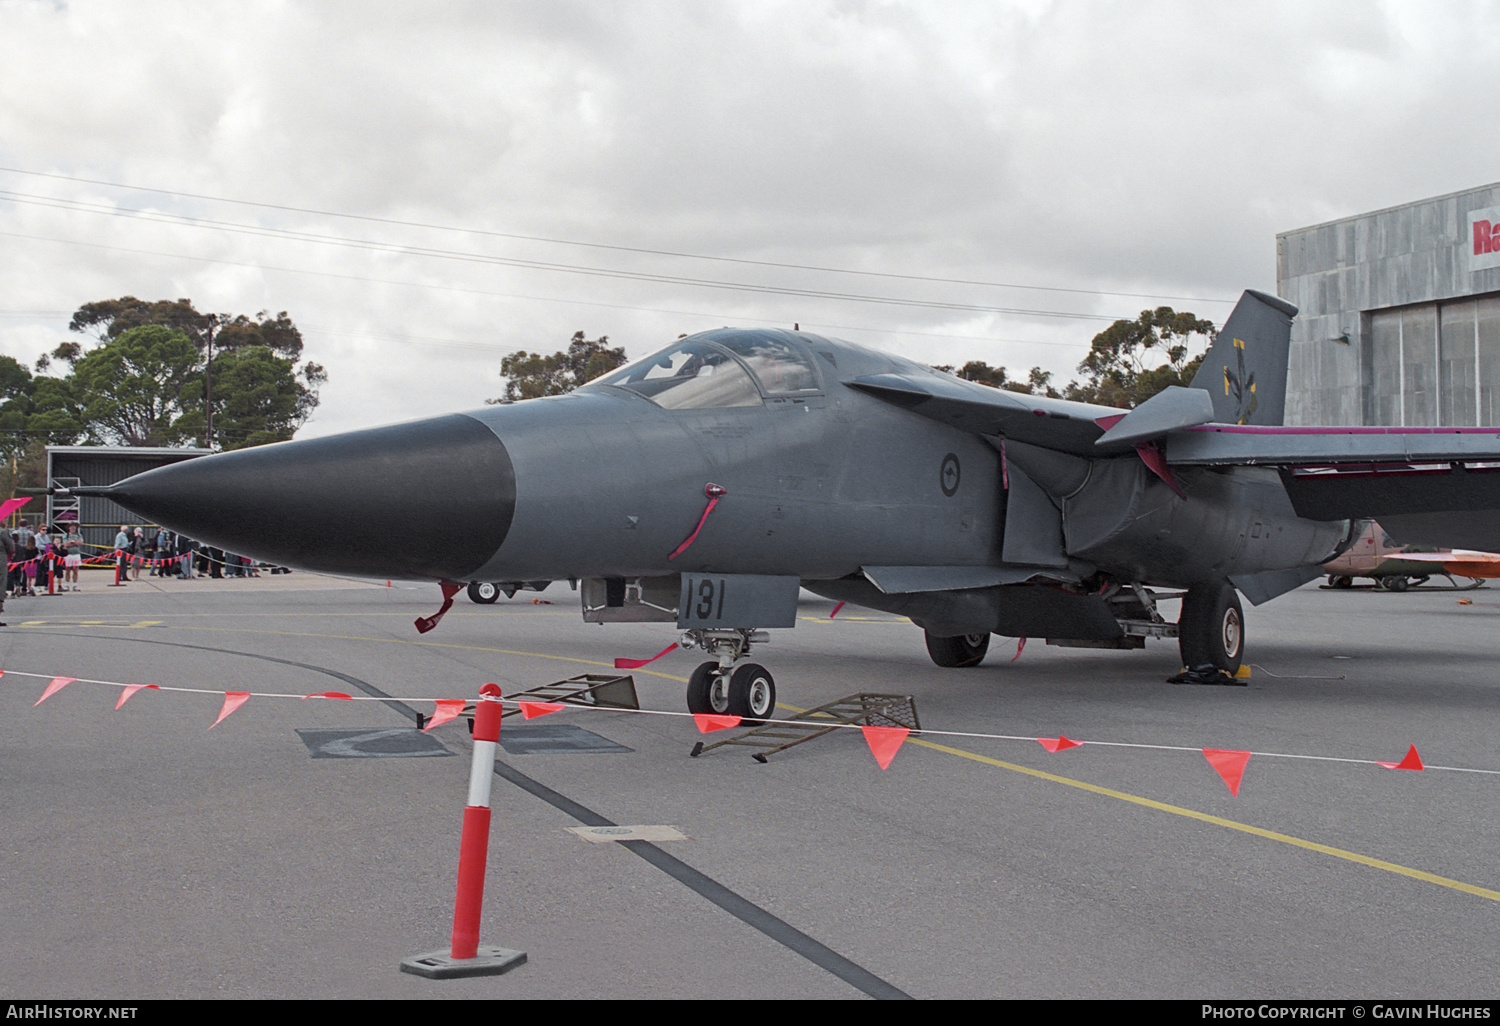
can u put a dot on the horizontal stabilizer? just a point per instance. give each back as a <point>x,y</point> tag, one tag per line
<point>1171,409</point>
<point>904,580</point>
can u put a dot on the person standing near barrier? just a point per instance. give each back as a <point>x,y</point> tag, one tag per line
<point>28,555</point>
<point>137,553</point>
<point>164,553</point>
<point>73,545</point>
<point>18,574</point>
<point>185,556</point>
<point>8,545</point>
<point>122,554</point>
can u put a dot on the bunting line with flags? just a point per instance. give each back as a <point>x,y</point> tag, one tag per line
<point>883,742</point>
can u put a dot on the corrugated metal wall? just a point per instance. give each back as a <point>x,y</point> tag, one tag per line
<point>1339,274</point>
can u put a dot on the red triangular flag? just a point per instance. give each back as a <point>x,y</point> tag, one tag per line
<point>1059,743</point>
<point>130,689</point>
<point>447,709</point>
<point>883,742</point>
<point>1229,764</point>
<point>329,694</point>
<point>531,710</point>
<point>1413,761</point>
<point>636,664</point>
<point>56,685</point>
<point>710,722</point>
<point>232,701</point>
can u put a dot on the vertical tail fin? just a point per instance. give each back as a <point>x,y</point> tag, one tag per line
<point>1245,369</point>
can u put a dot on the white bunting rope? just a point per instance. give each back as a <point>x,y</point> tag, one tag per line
<point>820,723</point>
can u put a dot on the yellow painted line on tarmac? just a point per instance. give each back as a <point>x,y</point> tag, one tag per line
<point>1228,824</point>
<point>1204,817</point>
<point>89,623</point>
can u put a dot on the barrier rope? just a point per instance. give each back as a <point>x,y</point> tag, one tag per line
<point>558,706</point>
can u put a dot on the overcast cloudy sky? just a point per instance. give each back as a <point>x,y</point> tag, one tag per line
<point>515,172</point>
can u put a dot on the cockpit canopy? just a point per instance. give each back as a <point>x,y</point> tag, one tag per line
<point>719,369</point>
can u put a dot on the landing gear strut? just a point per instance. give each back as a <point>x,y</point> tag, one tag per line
<point>747,691</point>
<point>1211,629</point>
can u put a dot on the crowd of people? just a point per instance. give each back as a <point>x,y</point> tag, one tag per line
<point>32,552</point>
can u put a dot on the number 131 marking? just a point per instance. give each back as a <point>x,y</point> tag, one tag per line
<point>710,599</point>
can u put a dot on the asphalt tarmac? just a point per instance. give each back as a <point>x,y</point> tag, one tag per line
<point>143,855</point>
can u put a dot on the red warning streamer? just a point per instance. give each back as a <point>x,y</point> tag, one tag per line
<point>447,709</point>
<point>232,701</point>
<point>131,689</point>
<point>884,742</point>
<point>636,664</point>
<point>56,685</point>
<point>1060,743</point>
<point>427,623</point>
<point>1413,761</point>
<point>710,722</point>
<point>531,710</point>
<point>835,611</point>
<point>714,493</point>
<point>1229,764</point>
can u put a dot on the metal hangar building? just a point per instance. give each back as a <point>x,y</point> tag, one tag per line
<point>1399,320</point>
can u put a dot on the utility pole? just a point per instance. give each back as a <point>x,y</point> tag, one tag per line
<point>208,385</point>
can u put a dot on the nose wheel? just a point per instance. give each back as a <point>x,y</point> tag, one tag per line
<point>748,691</point>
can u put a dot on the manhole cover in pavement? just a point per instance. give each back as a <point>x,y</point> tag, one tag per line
<point>548,738</point>
<point>364,743</point>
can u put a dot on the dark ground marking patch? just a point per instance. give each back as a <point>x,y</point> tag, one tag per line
<point>551,738</point>
<point>365,743</point>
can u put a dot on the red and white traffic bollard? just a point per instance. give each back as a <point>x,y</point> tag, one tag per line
<point>465,956</point>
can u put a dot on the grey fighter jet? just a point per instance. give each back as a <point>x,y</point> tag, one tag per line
<point>706,483</point>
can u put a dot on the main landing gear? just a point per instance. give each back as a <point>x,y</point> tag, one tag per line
<point>1211,629</point>
<point>747,691</point>
<point>964,650</point>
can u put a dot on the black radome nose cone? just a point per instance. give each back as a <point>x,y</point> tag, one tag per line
<point>429,499</point>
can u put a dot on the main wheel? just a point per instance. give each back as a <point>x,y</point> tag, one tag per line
<point>1340,581</point>
<point>1211,629</point>
<point>752,693</point>
<point>964,650</point>
<point>483,592</point>
<point>708,690</point>
<point>1394,583</point>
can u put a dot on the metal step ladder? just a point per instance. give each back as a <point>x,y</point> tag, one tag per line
<point>865,709</point>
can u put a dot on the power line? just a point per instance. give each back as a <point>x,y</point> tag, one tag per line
<point>375,245</point>
<point>502,295</point>
<point>616,248</point>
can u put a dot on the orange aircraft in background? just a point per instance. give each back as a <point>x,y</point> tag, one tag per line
<point>1395,567</point>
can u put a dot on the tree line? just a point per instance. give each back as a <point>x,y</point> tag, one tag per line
<point>142,376</point>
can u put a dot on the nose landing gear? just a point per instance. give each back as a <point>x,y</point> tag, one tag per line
<point>747,691</point>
